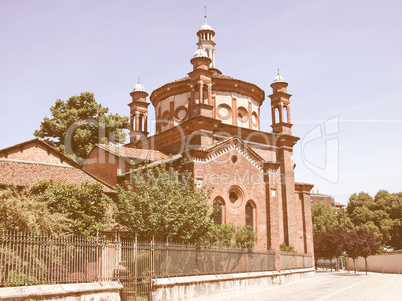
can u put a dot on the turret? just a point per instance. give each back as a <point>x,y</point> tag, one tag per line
<point>280,106</point>
<point>138,114</point>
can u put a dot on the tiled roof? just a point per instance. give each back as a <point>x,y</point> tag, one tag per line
<point>214,75</point>
<point>29,173</point>
<point>133,153</point>
<point>169,159</point>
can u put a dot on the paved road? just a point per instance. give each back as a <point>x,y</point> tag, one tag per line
<point>328,286</point>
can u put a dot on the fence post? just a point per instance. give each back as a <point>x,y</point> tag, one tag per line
<point>167,256</point>
<point>117,253</point>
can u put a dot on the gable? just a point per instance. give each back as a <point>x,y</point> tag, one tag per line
<point>36,151</point>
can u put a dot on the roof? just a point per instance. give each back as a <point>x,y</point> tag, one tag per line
<point>20,173</point>
<point>133,153</point>
<point>44,145</point>
<point>214,75</point>
<point>321,195</point>
<point>339,204</point>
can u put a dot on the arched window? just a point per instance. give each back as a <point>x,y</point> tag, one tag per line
<point>250,215</point>
<point>218,216</point>
<point>140,122</point>
<point>285,114</point>
<point>277,116</point>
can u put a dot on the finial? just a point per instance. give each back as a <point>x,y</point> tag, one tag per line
<point>278,71</point>
<point>205,16</point>
<point>139,79</point>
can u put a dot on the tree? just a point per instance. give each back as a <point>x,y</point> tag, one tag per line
<point>24,210</point>
<point>369,244</point>
<point>352,248</point>
<point>80,122</point>
<point>324,218</point>
<point>361,242</point>
<point>391,227</point>
<point>245,237</point>
<point>381,215</point>
<point>86,205</point>
<point>329,244</point>
<point>163,202</point>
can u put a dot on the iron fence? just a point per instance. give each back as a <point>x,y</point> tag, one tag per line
<point>292,260</point>
<point>29,259</point>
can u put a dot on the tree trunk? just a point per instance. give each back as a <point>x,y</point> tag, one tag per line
<point>365,262</point>
<point>354,264</point>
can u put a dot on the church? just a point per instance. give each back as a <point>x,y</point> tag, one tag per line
<point>213,121</point>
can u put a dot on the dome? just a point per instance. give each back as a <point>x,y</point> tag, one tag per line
<point>139,88</point>
<point>279,79</point>
<point>200,53</point>
<point>206,27</point>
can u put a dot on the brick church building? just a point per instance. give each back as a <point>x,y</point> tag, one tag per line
<point>213,120</point>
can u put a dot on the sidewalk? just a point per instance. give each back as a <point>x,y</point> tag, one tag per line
<point>326,286</point>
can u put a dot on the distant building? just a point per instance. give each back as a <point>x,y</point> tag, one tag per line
<point>328,199</point>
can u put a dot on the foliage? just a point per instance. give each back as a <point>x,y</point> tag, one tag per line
<point>285,248</point>
<point>85,205</point>
<point>361,242</point>
<point>245,237</point>
<point>230,236</point>
<point>329,244</point>
<point>324,218</point>
<point>221,235</point>
<point>80,122</point>
<point>23,210</point>
<point>163,202</point>
<point>381,215</point>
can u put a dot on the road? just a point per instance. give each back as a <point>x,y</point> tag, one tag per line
<point>327,286</point>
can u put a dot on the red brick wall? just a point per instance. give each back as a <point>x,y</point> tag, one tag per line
<point>33,153</point>
<point>246,180</point>
<point>103,166</point>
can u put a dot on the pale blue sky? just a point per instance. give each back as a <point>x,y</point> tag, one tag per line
<point>342,59</point>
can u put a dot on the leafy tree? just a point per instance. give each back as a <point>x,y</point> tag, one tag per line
<point>230,236</point>
<point>329,244</point>
<point>361,242</point>
<point>324,218</point>
<point>80,122</point>
<point>85,205</point>
<point>24,210</point>
<point>245,237</point>
<point>381,215</point>
<point>352,248</point>
<point>391,203</point>
<point>163,202</point>
<point>221,235</point>
<point>369,244</point>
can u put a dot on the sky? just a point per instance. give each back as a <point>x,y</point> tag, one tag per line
<point>342,60</point>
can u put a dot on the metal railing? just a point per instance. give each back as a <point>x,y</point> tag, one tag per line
<point>172,260</point>
<point>29,259</point>
<point>292,260</point>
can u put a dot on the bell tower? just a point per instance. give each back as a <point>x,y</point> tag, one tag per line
<point>138,114</point>
<point>280,106</point>
<point>206,41</point>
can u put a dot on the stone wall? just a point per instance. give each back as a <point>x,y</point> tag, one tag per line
<point>207,286</point>
<point>97,291</point>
